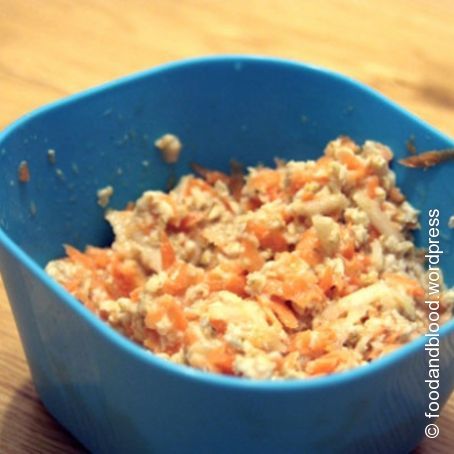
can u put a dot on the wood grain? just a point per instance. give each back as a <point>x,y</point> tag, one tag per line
<point>50,49</point>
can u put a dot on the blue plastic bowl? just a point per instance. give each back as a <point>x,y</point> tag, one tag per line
<point>115,396</point>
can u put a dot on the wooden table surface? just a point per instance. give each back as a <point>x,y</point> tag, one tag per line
<point>49,49</point>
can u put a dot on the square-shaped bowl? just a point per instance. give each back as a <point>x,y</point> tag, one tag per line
<point>110,393</point>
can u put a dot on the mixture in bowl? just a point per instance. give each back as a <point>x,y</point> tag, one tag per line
<point>298,271</point>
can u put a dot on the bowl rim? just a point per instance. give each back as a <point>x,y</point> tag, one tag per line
<point>136,351</point>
